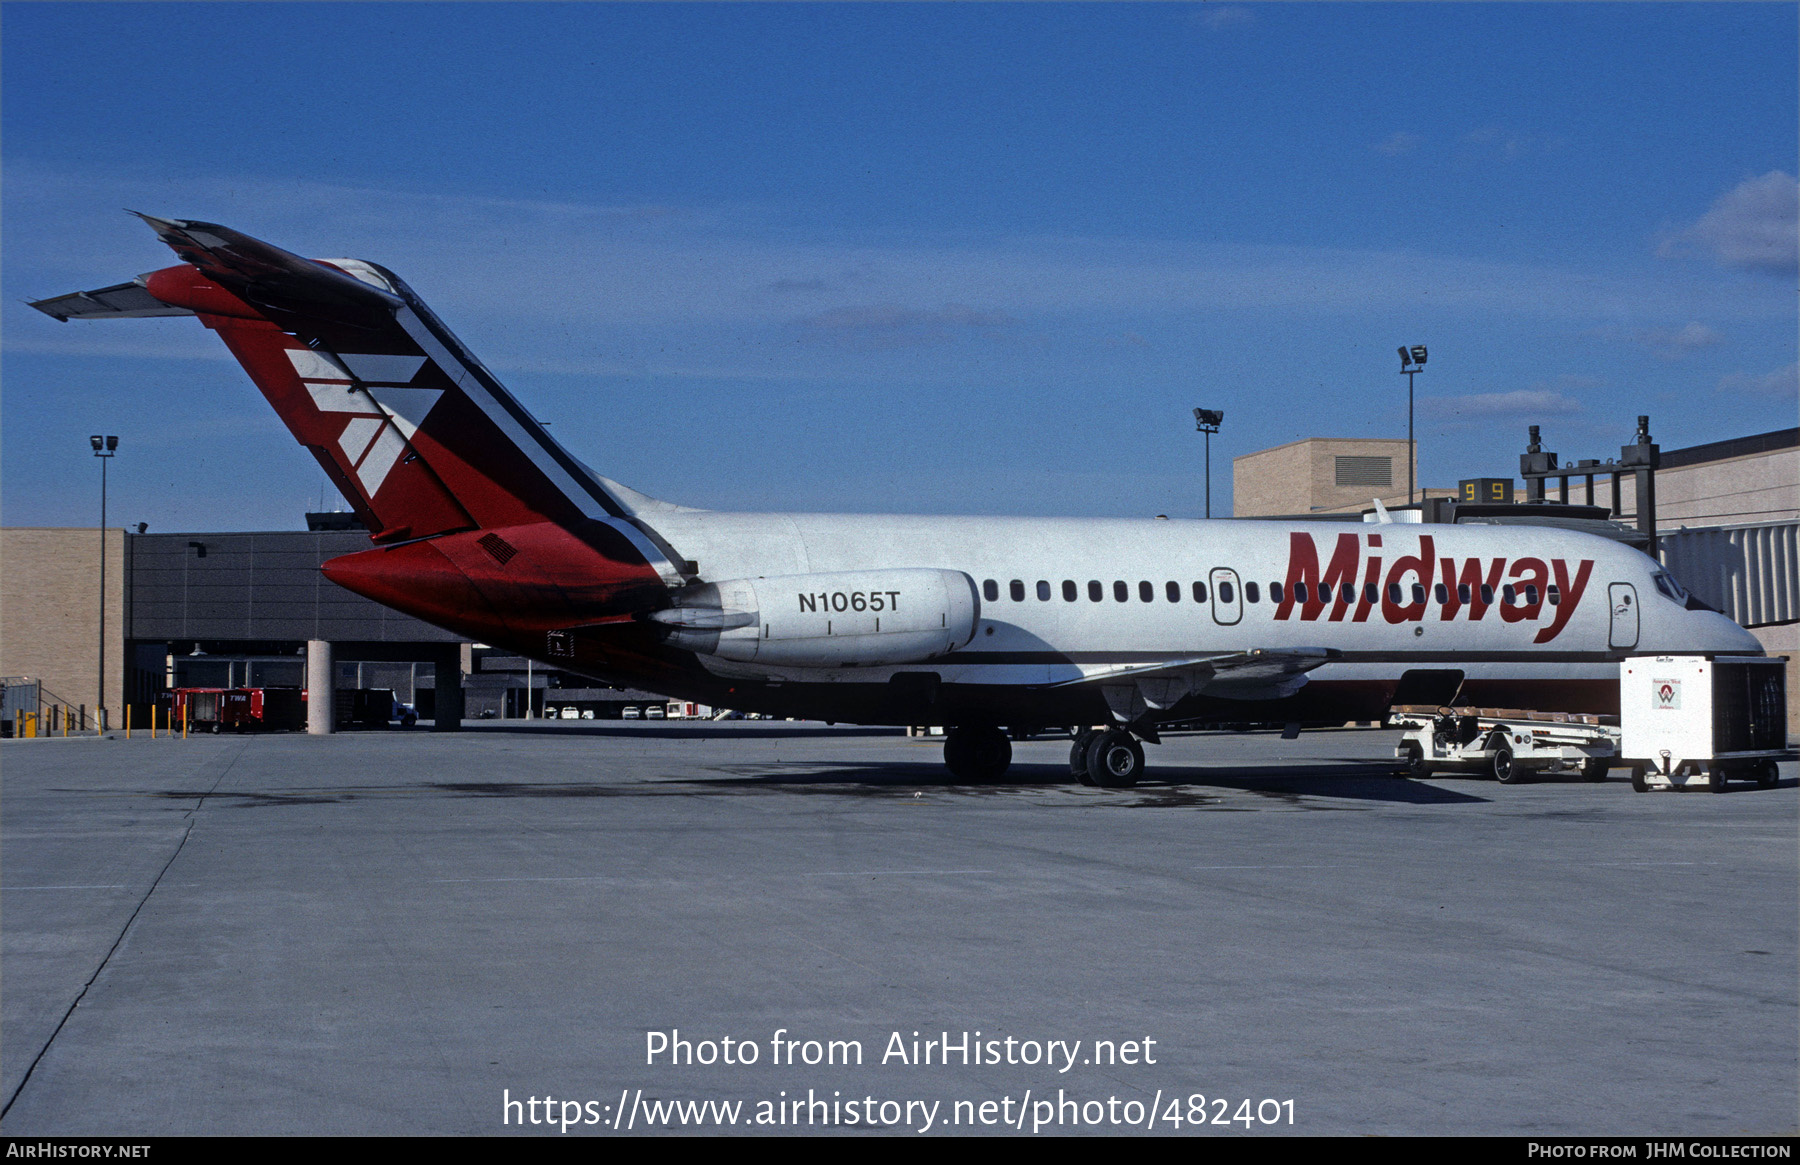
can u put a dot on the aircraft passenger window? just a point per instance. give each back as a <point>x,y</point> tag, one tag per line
<point>1121,592</point>
<point>1043,589</point>
<point>1418,593</point>
<point>1225,592</point>
<point>1017,590</point>
<point>1487,595</point>
<point>1199,592</point>
<point>1554,595</point>
<point>1324,592</point>
<point>990,590</point>
<point>1174,591</point>
<point>1393,592</point>
<point>1300,593</point>
<point>1069,591</point>
<point>1531,599</point>
<point>1275,592</point>
<point>1507,595</point>
<point>1096,592</point>
<point>1146,592</point>
<point>1371,594</point>
<point>1252,592</point>
<point>1443,595</point>
<point>1462,593</point>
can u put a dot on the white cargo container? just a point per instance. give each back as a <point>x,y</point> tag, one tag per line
<point>1698,720</point>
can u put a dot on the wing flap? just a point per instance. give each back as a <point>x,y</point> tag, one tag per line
<point>1254,668</point>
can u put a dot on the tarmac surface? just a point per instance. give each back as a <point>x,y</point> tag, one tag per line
<point>400,932</point>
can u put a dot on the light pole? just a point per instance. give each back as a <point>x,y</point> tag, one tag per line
<point>1412,362</point>
<point>1207,421</point>
<point>104,449</point>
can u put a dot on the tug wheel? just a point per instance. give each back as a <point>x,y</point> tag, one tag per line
<point>1505,770</point>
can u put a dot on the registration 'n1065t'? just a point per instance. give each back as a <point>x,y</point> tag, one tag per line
<point>842,601</point>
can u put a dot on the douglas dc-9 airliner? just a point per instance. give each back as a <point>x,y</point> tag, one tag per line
<point>483,524</point>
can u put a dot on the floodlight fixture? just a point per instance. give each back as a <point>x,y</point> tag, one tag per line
<point>105,447</point>
<point>1208,422</point>
<point>1412,362</point>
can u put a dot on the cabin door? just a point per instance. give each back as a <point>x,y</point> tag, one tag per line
<point>1624,615</point>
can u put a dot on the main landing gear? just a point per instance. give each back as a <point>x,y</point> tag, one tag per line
<point>977,754</point>
<point>981,754</point>
<point>1112,759</point>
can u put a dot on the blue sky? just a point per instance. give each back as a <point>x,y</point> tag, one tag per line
<point>951,258</point>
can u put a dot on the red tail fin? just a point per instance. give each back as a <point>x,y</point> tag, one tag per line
<point>417,435</point>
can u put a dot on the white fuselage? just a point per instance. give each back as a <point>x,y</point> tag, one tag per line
<point>1605,603</point>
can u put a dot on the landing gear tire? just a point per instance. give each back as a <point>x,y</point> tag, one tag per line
<point>977,755</point>
<point>1638,783</point>
<point>1715,778</point>
<point>1413,763</point>
<point>1505,770</point>
<point>1115,759</point>
<point>1594,769</point>
<point>1767,775</point>
<point>1078,756</point>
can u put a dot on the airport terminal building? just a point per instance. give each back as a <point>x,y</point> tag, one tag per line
<point>240,610</point>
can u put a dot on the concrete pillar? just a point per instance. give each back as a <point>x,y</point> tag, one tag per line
<point>449,682</point>
<point>321,689</point>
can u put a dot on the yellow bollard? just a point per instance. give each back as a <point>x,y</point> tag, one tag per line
<point>153,722</point>
<point>186,715</point>
<point>128,722</point>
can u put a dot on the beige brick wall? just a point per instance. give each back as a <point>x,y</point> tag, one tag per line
<point>50,610</point>
<point>1301,477</point>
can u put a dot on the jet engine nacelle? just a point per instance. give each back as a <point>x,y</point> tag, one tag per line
<point>864,618</point>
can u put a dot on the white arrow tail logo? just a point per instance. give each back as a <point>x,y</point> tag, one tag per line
<point>382,413</point>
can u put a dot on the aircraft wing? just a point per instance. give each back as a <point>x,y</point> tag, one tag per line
<point>1258,667</point>
<point>1137,693</point>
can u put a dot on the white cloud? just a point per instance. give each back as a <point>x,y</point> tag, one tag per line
<point>1483,406</point>
<point>1755,226</point>
<point>1783,382</point>
<point>1667,342</point>
<point>888,325</point>
<point>1397,143</point>
<point>1225,16</point>
<point>1511,144</point>
<point>1674,343</point>
<point>610,286</point>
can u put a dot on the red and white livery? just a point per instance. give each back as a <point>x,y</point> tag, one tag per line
<point>483,524</point>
